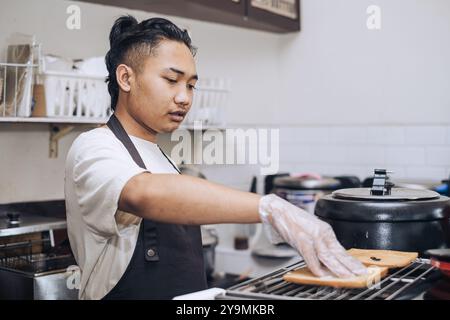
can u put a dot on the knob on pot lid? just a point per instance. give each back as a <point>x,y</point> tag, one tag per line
<point>395,194</point>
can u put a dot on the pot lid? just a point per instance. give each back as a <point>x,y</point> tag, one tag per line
<point>396,194</point>
<point>306,183</point>
<point>383,202</point>
<point>330,207</point>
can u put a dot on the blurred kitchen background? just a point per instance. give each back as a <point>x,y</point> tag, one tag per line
<point>346,98</point>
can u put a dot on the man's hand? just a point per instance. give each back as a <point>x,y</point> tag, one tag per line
<point>313,238</point>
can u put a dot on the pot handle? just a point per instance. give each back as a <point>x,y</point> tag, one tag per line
<point>439,254</point>
<point>440,258</point>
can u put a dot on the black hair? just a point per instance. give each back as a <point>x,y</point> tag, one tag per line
<point>131,41</point>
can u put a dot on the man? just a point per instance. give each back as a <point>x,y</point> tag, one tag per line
<point>133,221</point>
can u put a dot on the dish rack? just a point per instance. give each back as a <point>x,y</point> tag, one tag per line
<point>26,88</point>
<point>75,95</point>
<point>23,87</point>
<point>211,98</point>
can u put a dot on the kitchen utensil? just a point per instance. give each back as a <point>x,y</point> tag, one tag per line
<point>18,81</point>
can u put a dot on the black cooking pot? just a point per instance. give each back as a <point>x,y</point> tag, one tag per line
<point>404,219</point>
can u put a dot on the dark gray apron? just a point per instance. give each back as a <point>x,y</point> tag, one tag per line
<point>168,258</point>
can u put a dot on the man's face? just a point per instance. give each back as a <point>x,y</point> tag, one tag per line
<point>163,89</point>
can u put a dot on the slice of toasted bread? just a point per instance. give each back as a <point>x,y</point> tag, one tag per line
<point>383,258</point>
<point>305,276</point>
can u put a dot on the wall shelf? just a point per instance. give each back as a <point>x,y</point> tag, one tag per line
<point>58,127</point>
<point>49,120</point>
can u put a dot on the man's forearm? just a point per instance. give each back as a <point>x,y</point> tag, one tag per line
<point>188,200</point>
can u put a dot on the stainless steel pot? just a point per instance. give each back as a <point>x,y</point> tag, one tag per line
<point>304,191</point>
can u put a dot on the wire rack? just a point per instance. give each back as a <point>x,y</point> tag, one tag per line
<point>33,256</point>
<point>394,286</point>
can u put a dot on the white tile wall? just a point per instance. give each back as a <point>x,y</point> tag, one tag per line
<point>378,135</point>
<point>345,136</point>
<point>423,172</point>
<point>411,152</point>
<point>438,155</point>
<point>421,152</point>
<point>425,135</point>
<point>448,135</point>
<point>310,135</point>
<point>405,155</point>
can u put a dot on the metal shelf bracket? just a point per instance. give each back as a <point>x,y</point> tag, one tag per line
<point>57,131</point>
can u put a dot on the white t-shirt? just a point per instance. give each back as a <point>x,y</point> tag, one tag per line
<point>102,237</point>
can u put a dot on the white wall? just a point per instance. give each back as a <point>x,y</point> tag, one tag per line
<point>336,71</point>
<point>26,171</point>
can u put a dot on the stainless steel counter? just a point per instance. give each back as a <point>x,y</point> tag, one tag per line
<point>33,217</point>
<point>30,223</point>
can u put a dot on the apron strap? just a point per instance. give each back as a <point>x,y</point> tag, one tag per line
<point>169,160</point>
<point>116,127</point>
<point>148,227</point>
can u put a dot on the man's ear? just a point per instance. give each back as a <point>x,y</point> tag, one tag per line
<point>123,75</point>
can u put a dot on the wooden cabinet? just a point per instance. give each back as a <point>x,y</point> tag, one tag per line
<point>280,16</point>
<point>226,6</point>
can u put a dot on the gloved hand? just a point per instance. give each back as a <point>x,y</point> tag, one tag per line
<point>313,238</point>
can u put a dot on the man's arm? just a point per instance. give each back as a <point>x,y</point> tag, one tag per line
<point>188,200</point>
<point>184,199</point>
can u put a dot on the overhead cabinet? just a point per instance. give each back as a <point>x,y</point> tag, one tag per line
<point>280,16</point>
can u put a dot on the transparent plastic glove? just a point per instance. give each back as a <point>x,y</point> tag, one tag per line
<point>313,238</point>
